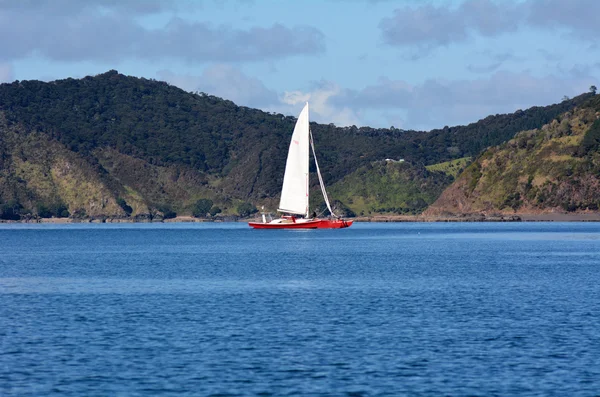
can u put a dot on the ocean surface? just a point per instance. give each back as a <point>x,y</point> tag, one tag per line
<point>403,309</point>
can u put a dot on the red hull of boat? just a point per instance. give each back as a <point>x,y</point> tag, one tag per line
<point>316,224</point>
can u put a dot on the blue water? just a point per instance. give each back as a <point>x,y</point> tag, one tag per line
<point>500,309</point>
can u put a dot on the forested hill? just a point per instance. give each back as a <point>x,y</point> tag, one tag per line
<point>152,147</point>
<point>549,169</point>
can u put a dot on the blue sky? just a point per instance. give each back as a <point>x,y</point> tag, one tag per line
<point>409,64</point>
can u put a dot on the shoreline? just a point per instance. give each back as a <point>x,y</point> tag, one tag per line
<point>544,217</point>
<point>181,219</point>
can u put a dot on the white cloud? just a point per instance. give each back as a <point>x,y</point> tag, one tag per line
<point>430,104</point>
<point>231,83</point>
<point>436,102</point>
<point>495,61</point>
<point>227,82</point>
<point>428,26</point>
<point>109,30</point>
<point>6,73</point>
<point>579,17</point>
<point>72,7</point>
<point>425,26</point>
<point>321,108</point>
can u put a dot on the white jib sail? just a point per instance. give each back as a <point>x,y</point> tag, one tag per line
<point>294,193</point>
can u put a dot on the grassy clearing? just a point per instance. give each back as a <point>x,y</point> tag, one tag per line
<point>453,167</point>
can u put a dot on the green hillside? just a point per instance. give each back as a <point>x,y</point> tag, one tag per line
<point>452,167</point>
<point>553,168</point>
<point>39,176</point>
<point>117,146</point>
<point>390,187</point>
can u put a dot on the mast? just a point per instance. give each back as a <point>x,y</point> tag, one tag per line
<point>312,145</point>
<point>309,137</point>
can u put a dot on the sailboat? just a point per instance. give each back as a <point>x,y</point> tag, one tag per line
<point>294,192</point>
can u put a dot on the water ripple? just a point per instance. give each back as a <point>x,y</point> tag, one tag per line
<point>376,310</point>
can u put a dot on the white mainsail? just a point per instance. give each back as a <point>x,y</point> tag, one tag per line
<point>294,193</point>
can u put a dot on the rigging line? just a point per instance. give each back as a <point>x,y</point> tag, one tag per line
<point>321,212</point>
<point>312,145</point>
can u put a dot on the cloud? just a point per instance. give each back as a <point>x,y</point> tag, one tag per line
<point>227,82</point>
<point>108,31</point>
<point>435,102</point>
<point>6,73</point>
<point>497,61</point>
<point>322,108</point>
<point>549,56</point>
<point>426,26</point>
<point>579,17</point>
<point>484,68</point>
<point>73,7</point>
<point>430,104</point>
<point>231,83</point>
<point>227,44</point>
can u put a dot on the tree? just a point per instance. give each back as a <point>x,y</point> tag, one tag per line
<point>246,209</point>
<point>61,210</point>
<point>202,207</point>
<point>215,210</point>
<point>167,211</point>
<point>123,204</point>
<point>11,210</point>
<point>593,89</point>
<point>43,211</point>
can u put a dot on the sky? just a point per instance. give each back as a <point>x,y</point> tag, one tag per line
<point>411,64</point>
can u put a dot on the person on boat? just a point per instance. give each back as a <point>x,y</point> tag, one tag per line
<point>314,214</point>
